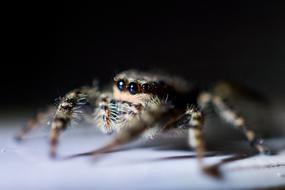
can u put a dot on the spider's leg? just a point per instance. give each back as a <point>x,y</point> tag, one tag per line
<point>152,112</point>
<point>231,90</point>
<point>192,120</point>
<point>39,119</point>
<point>230,116</point>
<point>65,111</point>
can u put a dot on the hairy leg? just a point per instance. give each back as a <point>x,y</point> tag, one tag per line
<point>39,119</point>
<point>192,120</point>
<point>196,138</point>
<point>66,110</point>
<point>231,117</point>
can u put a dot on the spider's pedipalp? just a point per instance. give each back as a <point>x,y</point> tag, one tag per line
<point>102,114</point>
<point>136,126</point>
<point>114,114</point>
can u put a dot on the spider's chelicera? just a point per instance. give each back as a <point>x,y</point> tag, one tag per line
<point>145,104</point>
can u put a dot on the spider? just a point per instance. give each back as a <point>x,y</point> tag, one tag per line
<point>146,104</point>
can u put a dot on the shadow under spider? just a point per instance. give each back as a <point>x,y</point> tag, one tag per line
<point>212,170</point>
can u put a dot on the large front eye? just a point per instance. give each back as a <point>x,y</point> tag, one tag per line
<point>133,88</point>
<point>121,85</point>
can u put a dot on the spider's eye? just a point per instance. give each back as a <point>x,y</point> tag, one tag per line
<point>121,85</point>
<point>145,87</point>
<point>133,88</point>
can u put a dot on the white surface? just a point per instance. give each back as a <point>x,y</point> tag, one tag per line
<point>27,166</point>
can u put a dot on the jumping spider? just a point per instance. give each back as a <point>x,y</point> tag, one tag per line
<point>145,104</point>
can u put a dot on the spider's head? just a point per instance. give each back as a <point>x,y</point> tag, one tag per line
<point>140,87</point>
<point>136,87</point>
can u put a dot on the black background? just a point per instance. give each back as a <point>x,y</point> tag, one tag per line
<point>54,47</point>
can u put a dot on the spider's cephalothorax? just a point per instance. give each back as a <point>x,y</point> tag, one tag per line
<point>133,92</point>
<point>144,104</point>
